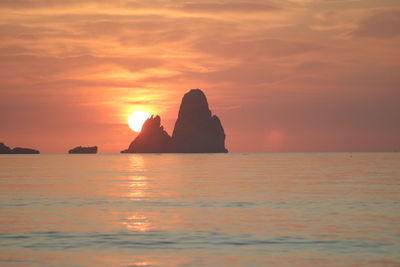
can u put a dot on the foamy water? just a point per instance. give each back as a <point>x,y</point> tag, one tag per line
<point>200,210</point>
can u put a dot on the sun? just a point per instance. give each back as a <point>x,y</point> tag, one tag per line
<point>136,120</point>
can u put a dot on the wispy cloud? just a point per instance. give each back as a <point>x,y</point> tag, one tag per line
<point>382,24</point>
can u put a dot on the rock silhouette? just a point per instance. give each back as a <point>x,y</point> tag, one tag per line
<point>83,150</point>
<point>4,149</point>
<point>17,150</point>
<point>22,150</point>
<point>196,130</point>
<point>152,138</point>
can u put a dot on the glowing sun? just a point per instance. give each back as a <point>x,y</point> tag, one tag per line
<point>136,120</point>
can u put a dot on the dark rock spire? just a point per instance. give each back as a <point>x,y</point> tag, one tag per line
<point>196,130</point>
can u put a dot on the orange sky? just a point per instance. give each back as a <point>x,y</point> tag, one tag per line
<point>287,75</point>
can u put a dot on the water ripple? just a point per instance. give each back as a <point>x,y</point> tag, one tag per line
<point>180,240</point>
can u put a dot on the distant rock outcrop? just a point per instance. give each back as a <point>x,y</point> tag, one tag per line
<point>83,150</point>
<point>152,138</point>
<point>22,150</point>
<point>4,149</point>
<point>196,130</point>
<point>17,150</point>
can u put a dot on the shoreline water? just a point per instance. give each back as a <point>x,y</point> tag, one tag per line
<point>231,209</point>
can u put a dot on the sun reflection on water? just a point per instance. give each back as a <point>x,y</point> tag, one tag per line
<point>137,187</point>
<point>142,263</point>
<point>136,190</point>
<point>138,223</point>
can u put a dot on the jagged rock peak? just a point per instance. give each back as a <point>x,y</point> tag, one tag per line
<point>152,124</point>
<point>151,139</point>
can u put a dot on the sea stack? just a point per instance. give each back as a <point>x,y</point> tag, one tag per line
<point>17,150</point>
<point>152,138</point>
<point>83,150</point>
<point>196,130</point>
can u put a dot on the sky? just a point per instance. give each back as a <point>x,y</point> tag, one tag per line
<point>283,76</point>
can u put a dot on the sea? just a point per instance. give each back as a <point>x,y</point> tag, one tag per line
<point>236,209</point>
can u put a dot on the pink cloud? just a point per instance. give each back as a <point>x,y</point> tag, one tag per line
<point>382,24</point>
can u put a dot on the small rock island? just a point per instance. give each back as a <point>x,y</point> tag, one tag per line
<point>17,150</point>
<point>83,150</point>
<point>196,130</point>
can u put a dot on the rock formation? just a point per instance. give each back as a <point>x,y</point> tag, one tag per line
<point>83,150</point>
<point>22,150</point>
<point>17,150</point>
<point>196,130</point>
<point>4,149</point>
<point>152,139</point>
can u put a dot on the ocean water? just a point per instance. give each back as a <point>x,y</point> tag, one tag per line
<point>200,210</point>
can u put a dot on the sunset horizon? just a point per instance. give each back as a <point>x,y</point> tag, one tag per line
<point>200,133</point>
<point>283,76</point>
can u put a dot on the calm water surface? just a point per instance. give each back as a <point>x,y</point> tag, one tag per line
<point>200,210</point>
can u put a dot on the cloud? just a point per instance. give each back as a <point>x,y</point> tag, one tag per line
<point>33,4</point>
<point>384,24</point>
<point>239,7</point>
<point>243,74</point>
<point>257,48</point>
<point>31,69</point>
